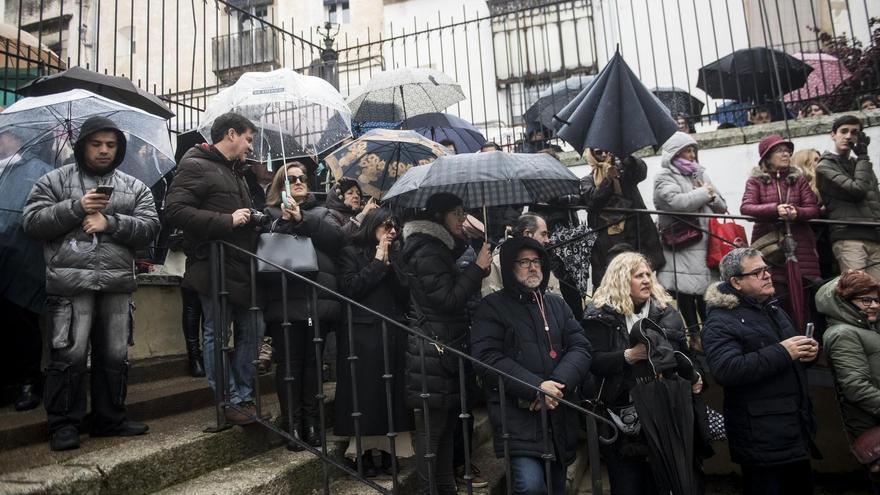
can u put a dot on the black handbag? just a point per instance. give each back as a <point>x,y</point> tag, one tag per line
<point>680,235</point>
<point>291,252</point>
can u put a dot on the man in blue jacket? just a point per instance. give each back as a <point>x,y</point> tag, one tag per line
<point>755,353</point>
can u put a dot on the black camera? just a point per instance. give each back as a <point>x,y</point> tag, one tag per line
<point>259,219</point>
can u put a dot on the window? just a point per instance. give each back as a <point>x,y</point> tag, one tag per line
<point>337,11</point>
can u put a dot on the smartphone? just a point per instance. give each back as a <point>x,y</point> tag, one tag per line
<point>105,190</point>
<point>810,330</point>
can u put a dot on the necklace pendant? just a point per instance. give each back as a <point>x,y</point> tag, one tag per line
<point>552,354</point>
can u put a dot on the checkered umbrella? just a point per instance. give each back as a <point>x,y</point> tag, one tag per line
<point>494,178</point>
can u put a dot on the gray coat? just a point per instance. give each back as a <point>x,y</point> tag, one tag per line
<point>53,214</point>
<point>673,191</point>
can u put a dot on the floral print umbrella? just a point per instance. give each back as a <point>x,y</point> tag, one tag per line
<point>379,157</point>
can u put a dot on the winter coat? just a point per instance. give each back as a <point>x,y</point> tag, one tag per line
<point>767,409</point>
<point>494,282</point>
<point>685,270</point>
<point>374,284</point>
<point>853,349</point>
<point>509,334</point>
<point>327,239</point>
<point>850,193</point>
<point>639,230</point>
<point>341,214</point>
<point>609,336</point>
<point>764,192</point>
<point>53,214</point>
<point>439,294</point>
<point>205,192</point>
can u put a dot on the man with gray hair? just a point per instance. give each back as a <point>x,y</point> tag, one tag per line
<point>754,352</point>
<point>529,225</point>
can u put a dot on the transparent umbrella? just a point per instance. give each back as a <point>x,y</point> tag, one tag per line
<point>295,115</point>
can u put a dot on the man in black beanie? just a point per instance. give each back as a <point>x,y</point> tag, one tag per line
<point>91,218</point>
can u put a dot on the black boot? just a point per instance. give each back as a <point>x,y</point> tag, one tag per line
<point>192,325</point>
<point>312,433</point>
<point>28,398</point>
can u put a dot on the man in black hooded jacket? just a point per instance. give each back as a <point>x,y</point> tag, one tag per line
<point>535,337</point>
<point>89,242</point>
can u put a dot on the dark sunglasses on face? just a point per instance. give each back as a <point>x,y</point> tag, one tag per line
<point>298,178</point>
<point>389,225</point>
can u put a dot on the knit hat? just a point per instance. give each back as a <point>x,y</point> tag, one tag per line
<point>769,142</point>
<point>442,203</point>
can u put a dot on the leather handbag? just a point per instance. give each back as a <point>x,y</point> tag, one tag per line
<point>866,447</point>
<point>292,252</point>
<point>680,235</point>
<point>770,245</point>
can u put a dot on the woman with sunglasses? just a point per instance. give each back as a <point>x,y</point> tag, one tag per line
<point>367,276</point>
<point>302,216</point>
<point>852,344</point>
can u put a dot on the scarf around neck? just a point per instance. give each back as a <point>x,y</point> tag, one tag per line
<point>686,167</point>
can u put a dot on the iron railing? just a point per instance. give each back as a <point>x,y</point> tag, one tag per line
<point>221,249</point>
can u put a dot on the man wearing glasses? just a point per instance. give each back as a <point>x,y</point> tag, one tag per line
<point>754,352</point>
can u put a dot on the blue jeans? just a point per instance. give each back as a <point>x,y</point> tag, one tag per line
<point>528,476</point>
<point>248,335</point>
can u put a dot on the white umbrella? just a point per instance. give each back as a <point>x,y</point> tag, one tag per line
<point>395,95</point>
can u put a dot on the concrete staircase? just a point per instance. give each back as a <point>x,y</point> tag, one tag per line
<point>179,457</point>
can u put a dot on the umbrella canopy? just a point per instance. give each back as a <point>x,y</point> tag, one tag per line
<point>678,101</point>
<point>381,156</point>
<point>185,141</point>
<point>750,74</point>
<point>553,99</point>
<point>616,113</point>
<point>441,126</point>
<point>113,87</point>
<point>395,95</point>
<point>49,125</point>
<point>295,115</point>
<point>494,178</point>
<point>828,72</point>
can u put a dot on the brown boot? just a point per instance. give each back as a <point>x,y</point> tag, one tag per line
<point>234,417</point>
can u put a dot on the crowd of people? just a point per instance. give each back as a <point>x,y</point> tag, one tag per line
<point>656,312</point>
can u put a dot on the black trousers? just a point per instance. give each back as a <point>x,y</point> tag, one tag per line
<point>25,344</point>
<point>693,309</point>
<point>629,475</point>
<point>783,479</point>
<point>441,423</point>
<point>299,396</point>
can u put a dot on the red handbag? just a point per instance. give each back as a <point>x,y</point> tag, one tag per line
<point>866,447</point>
<point>724,236</point>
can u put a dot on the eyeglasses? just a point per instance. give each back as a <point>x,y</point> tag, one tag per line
<point>460,213</point>
<point>867,300</point>
<point>528,262</point>
<point>757,272</point>
<point>298,178</point>
<point>389,225</point>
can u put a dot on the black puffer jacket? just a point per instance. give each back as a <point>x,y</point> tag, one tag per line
<point>207,189</point>
<point>849,191</point>
<point>442,291</point>
<point>509,334</point>
<point>609,336</point>
<point>328,240</point>
<point>767,408</point>
<point>53,214</point>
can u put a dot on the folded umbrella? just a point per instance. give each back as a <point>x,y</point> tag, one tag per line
<point>395,95</point>
<point>615,113</point>
<point>443,126</point>
<point>380,157</point>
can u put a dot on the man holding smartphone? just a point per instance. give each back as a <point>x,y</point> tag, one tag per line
<point>91,218</point>
<point>849,190</point>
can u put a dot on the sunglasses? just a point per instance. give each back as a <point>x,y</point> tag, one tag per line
<point>389,225</point>
<point>298,178</point>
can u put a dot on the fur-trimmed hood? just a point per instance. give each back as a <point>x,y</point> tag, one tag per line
<point>790,174</point>
<point>429,228</point>
<point>721,295</point>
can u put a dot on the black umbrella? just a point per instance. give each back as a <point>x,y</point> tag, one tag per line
<point>616,113</point>
<point>113,87</point>
<point>751,74</point>
<point>553,99</point>
<point>185,141</point>
<point>678,101</point>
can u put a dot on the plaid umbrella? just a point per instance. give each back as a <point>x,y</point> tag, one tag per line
<point>394,95</point>
<point>440,126</point>
<point>494,178</point>
<point>828,73</point>
<point>379,157</point>
<point>678,101</point>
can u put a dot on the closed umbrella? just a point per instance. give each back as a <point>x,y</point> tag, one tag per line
<point>395,95</point>
<point>443,126</point>
<point>381,156</point>
<point>794,279</point>
<point>615,113</point>
<point>553,99</point>
<point>753,74</point>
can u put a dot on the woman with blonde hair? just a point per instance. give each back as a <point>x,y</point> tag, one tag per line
<point>806,161</point>
<point>629,293</point>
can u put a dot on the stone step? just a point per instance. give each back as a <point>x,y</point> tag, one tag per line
<point>146,400</point>
<point>176,449</point>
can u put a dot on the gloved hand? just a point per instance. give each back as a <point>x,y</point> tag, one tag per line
<point>861,146</point>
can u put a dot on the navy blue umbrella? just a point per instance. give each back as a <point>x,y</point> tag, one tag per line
<point>439,126</point>
<point>616,113</point>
